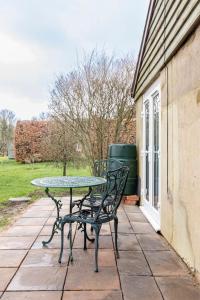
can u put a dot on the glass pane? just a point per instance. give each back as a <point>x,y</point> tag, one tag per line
<point>156,150</point>
<point>147,148</point>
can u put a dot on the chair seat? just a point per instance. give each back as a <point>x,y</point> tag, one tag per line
<point>94,201</point>
<point>84,216</point>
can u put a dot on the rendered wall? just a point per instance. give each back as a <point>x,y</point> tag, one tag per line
<point>180,93</point>
<point>180,151</point>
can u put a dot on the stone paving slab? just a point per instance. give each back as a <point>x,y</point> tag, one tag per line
<point>122,217</point>
<point>55,243</point>
<point>136,217</point>
<point>42,295</point>
<point>123,227</point>
<point>43,201</point>
<point>45,258</point>
<point>105,230</point>
<point>147,268</point>
<point>128,242</point>
<point>182,288</point>
<point>165,263</point>
<point>38,214</point>
<point>6,275</point>
<point>83,259</point>
<point>36,208</point>
<point>133,263</point>
<point>106,279</point>
<point>140,288</point>
<point>22,231</point>
<point>152,241</point>
<point>63,212</point>
<point>92,295</point>
<point>31,221</point>
<point>50,221</point>
<point>105,242</point>
<point>47,229</point>
<point>38,278</point>
<point>11,258</point>
<point>140,227</point>
<point>12,242</point>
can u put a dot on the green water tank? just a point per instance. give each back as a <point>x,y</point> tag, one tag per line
<point>127,155</point>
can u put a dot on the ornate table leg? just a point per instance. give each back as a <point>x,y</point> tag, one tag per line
<point>56,225</point>
<point>84,228</point>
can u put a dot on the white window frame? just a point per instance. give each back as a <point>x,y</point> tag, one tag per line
<point>147,208</point>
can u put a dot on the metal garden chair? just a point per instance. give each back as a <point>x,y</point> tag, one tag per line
<point>100,169</point>
<point>105,212</point>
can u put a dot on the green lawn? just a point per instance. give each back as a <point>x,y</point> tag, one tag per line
<point>15,177</point>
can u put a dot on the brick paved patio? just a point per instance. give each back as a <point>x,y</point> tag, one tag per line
<point>147,269</point>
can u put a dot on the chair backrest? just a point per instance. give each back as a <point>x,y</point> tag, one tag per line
<point>101,168</point>
<point>116,182</point>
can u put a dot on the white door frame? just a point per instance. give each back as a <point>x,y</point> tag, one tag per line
<point>147,207</point>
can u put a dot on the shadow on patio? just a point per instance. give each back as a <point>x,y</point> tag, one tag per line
<point>147,269</point>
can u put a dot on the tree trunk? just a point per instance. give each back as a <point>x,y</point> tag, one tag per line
<point>64,168</point>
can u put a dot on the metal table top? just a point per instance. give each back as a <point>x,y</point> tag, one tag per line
<point>68,181</point>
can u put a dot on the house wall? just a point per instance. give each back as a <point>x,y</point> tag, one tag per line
<point>180,151</point>
<point>169,26</point>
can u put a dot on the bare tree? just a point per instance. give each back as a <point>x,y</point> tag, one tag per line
<point>59,144</point>
<point>43,116</point>
<point>96,100</point>
<point>7,121</point>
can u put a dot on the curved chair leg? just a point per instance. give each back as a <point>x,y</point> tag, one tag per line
<point>116,235</point>
<point>88,238</point>
<point>85,237</point>
<point>91,217</point>
<point>97,229</point>
<point>70,242</point>
<point>62,242</point>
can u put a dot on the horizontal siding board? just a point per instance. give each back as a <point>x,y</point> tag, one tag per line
<point>157,6</point>
<point>171,26</point>
<point>186,17</point>
<point>150,79</point>
<point>153,60</point>
<point>151,69</point>
<point>195,18</point>
<point>164,22</point>
<point>158,12</point>
<point>155,27</point>
<point>150,11</point>
<point>186,27</point>
<point>171,32</point>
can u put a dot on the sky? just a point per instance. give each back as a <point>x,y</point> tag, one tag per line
<point>40,39</point>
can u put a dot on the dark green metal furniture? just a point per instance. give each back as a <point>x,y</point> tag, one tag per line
<point>100,169</point>
<point>95,216</point>
<point>69,182</point>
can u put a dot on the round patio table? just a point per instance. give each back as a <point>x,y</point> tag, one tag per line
<point>69,182</point>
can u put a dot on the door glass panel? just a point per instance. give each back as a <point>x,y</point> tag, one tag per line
<point>155,150</point>
<point>147,149</point>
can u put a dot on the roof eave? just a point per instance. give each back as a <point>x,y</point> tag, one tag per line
<point>142,46</point>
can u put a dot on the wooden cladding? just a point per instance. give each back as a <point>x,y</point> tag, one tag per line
<point>170,24</point>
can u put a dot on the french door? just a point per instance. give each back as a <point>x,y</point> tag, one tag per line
<point>151,157</point>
